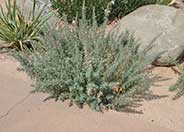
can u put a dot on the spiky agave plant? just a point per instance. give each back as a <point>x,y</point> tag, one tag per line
<point>17,30</point>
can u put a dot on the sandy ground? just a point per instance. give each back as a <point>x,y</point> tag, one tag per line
<point>161,109</point>
<point>21,111</point>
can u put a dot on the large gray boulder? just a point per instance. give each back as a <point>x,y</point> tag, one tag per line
<point>162,26</point>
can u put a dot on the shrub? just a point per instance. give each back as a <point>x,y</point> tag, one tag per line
<point>18,31</point>
<point>116,8</point>
<point>179,86</point>
<point>164,2</point>
<point>121,8</point>
<point>71,8</point>
<point>86,66</point>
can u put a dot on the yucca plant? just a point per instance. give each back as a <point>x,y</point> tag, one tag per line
<point>17,30</point>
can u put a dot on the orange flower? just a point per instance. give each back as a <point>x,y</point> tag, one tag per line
<point>117,89</point>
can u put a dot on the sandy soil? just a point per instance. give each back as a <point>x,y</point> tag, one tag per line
<point>161,109</point>
<point>21,111</point>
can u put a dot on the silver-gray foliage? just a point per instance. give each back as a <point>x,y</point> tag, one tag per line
<point>86,66</point>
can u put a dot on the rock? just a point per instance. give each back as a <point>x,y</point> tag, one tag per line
<point>163,24</point>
